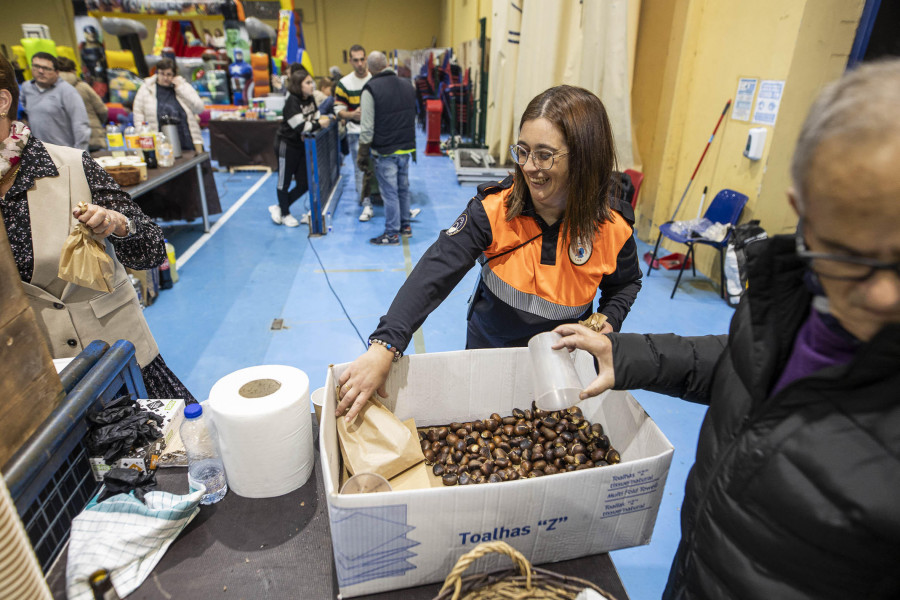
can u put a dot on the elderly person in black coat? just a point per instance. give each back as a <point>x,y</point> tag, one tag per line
<point>795,492</point>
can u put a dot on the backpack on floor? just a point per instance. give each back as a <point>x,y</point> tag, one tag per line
<point>736,259</point>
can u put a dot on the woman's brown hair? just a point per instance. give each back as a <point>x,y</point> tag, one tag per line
<point>167,64</point>
<point>581,118</point>
<point>66,65</point>
<point>8,82</point>
<point>295,83</point>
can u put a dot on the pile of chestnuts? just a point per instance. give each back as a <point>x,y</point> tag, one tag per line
<point>529,443</point>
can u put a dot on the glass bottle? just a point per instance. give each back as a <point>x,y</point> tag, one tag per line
<point>101,585</point>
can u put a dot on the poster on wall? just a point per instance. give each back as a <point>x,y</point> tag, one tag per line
<point>767,101</point>
<point>743,99</point>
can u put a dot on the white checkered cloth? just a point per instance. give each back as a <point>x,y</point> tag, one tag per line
<point>126,537</point>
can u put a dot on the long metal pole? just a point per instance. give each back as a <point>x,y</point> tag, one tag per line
<point>702,156</point>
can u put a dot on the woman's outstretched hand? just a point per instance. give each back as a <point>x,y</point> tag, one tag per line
<point>362,379</point>
<point>579,336</point>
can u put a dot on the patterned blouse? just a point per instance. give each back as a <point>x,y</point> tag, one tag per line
<point>143,250</point>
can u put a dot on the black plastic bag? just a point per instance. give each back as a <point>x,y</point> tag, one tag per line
<point>123,481</point>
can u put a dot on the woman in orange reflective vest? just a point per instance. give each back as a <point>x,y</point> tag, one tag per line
<point>547,238</point>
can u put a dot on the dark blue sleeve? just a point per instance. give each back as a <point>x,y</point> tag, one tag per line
<point>442,266</point>
<point>619,289</point>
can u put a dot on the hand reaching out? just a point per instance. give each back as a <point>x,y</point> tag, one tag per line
<point>364,377</point>
<point>579,336</point>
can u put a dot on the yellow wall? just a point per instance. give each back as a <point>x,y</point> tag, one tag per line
<point>459,21</point>
<point>820,56</point>
<point>690,56</point>
<point>333,26</point>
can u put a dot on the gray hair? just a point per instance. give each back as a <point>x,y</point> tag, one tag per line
<point>858,107</point>
<point>377,62</point>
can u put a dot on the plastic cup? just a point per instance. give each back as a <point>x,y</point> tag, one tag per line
<point>318,400</point>
<point>366,483</point>
<point>556,383</point>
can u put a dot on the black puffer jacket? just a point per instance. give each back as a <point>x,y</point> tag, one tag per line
<point>793,496</point>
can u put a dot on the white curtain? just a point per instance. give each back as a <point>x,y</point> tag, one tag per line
<point>501,118</point>
<point>587,43</point>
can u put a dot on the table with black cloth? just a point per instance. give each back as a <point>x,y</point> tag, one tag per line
<point>174,193</point>
<point>277,548</point>
<point>244,142</point>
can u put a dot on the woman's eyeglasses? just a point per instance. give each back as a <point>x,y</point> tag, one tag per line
<point>840,266</point>
<point>542,159</point>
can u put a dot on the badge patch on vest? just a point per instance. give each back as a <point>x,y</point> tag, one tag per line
<point>580,253</point>
<point>458,225</point>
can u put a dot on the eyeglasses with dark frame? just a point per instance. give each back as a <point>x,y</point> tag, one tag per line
<point>42,68</point>
<point>542,159</point>
<point>839,266</point>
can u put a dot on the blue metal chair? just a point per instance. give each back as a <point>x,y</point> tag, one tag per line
<point>49,477</point>
<point>725,208</point>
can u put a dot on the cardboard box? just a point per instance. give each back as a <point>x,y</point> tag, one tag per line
<point>143,459</point>
<point>149,281</point>
<point>172,412</point>
<point>400,539</point>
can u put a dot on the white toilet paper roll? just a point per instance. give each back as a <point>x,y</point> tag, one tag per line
<point>264,427</point>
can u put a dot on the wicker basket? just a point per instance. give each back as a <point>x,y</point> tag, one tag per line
<point>519,583</point>
<point>125,175</point>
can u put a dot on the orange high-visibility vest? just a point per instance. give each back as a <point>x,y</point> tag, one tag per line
<point>564,290</point>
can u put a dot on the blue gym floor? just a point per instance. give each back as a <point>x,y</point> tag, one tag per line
<point>218,317</point>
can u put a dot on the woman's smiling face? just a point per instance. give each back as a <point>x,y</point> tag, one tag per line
<point>549,188</point>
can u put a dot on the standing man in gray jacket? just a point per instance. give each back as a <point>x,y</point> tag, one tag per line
<point>794,491</point>
<point>56,113</point>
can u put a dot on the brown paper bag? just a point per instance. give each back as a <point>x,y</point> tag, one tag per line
<point>84,261</point>
<point>377,442</point>
<point>417,477</point>
<point>595,322</point>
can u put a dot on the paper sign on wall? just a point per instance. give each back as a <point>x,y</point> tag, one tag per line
<point>743,99</point>
<point>767,101</point>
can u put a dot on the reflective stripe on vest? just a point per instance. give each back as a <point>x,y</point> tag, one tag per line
<point>562,290</point>
<point>530,303</point>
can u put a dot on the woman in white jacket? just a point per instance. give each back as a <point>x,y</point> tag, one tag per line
<point>169,94</point>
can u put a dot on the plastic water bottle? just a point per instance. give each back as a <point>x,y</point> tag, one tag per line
<point>205,468</point>
<point>165,157</point>
<point>136,284</point>
<point>114,139</point>
<point>173,261</point>
<point>132,141</point>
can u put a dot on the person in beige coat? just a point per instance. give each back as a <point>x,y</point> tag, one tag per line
<point>93,104</point>
<point>167,93</point>
<point>41,186</point>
